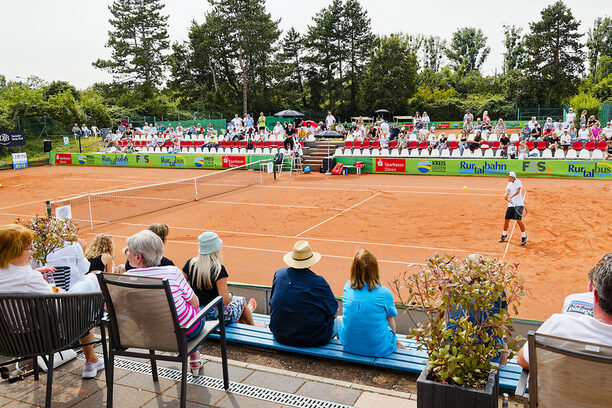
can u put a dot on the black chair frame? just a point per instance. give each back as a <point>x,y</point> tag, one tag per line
<point>117,349</point>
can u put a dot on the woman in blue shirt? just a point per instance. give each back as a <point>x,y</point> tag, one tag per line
<point>368,321</point>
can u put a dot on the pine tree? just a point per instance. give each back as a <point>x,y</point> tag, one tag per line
<point>515,54</point>
<point>139,40</point>
<point>468,49</point>
<point>291,58</point>
<point>433,52</point>
<point>555,53</point>
<point>599,42</point>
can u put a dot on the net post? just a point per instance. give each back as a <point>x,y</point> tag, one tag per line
<point>48,203</point>
<point>90,213</point>
<point>195,186</point>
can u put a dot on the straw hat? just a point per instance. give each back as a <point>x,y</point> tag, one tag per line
<point>302,256</point>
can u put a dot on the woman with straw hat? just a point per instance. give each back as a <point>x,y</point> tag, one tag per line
<point>302,306</point>
<point>208,279</point>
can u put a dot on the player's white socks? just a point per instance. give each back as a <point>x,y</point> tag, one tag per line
<point>523,234</point>
<point>504,232</point>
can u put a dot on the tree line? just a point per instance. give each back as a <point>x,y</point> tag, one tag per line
<point>236,59</point>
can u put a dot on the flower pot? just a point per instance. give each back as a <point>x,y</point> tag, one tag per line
<point>432,394</point>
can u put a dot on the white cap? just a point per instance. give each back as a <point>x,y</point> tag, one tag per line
<point>512,174</point>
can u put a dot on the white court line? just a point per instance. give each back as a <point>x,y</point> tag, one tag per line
<point>380,190</point>
<point>398,186</point>
<point>255,234</point>
<point>340,213</point>
<point>512,232</point>
<point>311,207</point>
<point>272,250</point>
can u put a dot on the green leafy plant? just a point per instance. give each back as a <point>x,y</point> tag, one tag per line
<point>49,235</point>
<point>461,333</point>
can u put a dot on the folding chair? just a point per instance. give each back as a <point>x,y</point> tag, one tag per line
<point>566,373</point>
<point>142,315</point>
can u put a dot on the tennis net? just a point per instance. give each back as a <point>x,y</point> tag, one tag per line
<point>111,206</point>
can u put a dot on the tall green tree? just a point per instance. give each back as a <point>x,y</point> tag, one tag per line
<point>291,55</point>
<point>468,49</point>
<point>433,52</point>
<point>555,53</point>
<point>359,42</point>
<point>599,42</point>
<point>138,42</point>
<point>516,53</point>
<point>391,75</point>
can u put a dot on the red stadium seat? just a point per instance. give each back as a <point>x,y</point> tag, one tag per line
<point>393,144</point>
<point>223,143</point>
<point>244,143</point>
<point>268,144</point>
<point>348,145</point>
<point>453,144</point>
<point>260,143</point>
<point>413,145</point>
<point>357,144</point>
<point>423,145</point>
<point>485,145</point>
<point>168,143</point>
<point>602,146</point>
<point>577,146</point>
<point>230,143</point>
<point>376,144</point>
<point>366,144</point>
<point>495,145</point>
<point>542,145</point>
<point>517,144</point>
<point>302,144</point>
<point>183,143</point>
<point>276,144</point>
<point>590,146</point>
<point>530,145</point>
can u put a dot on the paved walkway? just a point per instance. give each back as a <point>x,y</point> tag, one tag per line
<point>251,386</point>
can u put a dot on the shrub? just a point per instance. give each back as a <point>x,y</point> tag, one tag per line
<point>50,234</point>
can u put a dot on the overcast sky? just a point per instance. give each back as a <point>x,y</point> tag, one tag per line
<point>59,39</point>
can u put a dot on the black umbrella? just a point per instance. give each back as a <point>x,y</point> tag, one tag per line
<point>289,113</point>
<point>328,133</point>
<point>382,111</point>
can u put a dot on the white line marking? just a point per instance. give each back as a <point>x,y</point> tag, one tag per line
<point>274,205</point>
<point>272,250</point>
<point>380,190</point>
<point>398,186</point>
<point>512,232</point>
<point>340,213</point>
<point>255,234</point>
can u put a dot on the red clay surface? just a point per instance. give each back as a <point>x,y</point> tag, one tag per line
<point>403,219</point>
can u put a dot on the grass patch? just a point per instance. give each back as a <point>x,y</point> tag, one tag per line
<point>34,147</point>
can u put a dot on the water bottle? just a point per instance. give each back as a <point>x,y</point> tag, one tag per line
<point>505,401</point>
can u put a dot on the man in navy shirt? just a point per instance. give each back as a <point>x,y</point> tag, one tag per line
<point>302,306</point>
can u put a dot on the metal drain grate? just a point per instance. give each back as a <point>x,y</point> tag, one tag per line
<point>217,384</point>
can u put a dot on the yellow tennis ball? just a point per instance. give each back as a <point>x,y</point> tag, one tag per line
<point>465,187</point>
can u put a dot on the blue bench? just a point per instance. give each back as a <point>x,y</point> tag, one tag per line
<point>409,359</point>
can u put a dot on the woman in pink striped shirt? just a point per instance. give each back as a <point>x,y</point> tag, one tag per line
<point>145,250</point>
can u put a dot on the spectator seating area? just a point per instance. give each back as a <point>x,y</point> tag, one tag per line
<point>409,359</point>
<point>198,146</point>
<point>488,149</point>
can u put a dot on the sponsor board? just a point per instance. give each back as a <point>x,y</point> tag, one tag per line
<point>63,158</point>
<point>20,160</point>
<point>390,165</point>
<point>233,161</point>
<point>482,167</point>
<point>443,125</point>
<point>586,169</point>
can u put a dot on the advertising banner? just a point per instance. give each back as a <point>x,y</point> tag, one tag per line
<point>8,139</point>
<point>20,160</point>
<point>588,169</point>
<point>187,161</point>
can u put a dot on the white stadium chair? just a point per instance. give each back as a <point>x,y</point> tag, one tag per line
<point>446,153</point>
<point>547,154</point>
<point>478,153</point>
<point>492,137</point>
<point>405,152</point>
<point>434,153</point>
<point>414,153</point>
<point>365,152</point>
<point>559,154</point>
<point>352,152</point>
<point>534,153</point>
<point>199,150</point>
<point>183,150</point>
<point>597,155</point>
<point>266,150</point>
<point>456,153</point>
<point>489,153</point>
<point>425,152</point>
<point>467,153</point>
<point>338,152</point>
<point>258,150</point>
<point>375,152</point>
<point>571,154</point>
<point>514,138</point>
<point>191,150</point>
<point>274,150</point>
<point>394,152</point>
<point>584,154</point>
<point>452,137</point>
<point>242,150</point>
<point>384,152</point>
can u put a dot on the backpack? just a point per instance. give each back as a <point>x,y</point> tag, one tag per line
<point>337,169</point>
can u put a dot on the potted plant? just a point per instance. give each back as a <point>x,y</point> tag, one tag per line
<point>467,327</point>
<point>49,235</point>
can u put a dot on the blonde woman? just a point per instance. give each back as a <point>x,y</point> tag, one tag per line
<point>208,279</point>
<point>368,321</point>
<point>100,254</point>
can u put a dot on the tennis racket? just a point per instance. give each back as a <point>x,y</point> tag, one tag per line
<point>521,211</point>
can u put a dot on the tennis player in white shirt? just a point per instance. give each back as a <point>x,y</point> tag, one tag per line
<point>516,208</point>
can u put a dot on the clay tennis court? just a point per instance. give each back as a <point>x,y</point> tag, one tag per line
<point>403,219</point>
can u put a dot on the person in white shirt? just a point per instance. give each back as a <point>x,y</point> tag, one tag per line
<point>237,121</point>
<point>384,128</point>
<point>583,327</point>
<point>565,140</point>
<point>146,128</point>
<point>607,131</point>
<point>278,130</point>
<point>532,123</point>
<point>584,134</point>
<point>330,121</point>
<point>515,210</point>
<point>571,116</point>
<point>425,120</point>
<point>71,255</point>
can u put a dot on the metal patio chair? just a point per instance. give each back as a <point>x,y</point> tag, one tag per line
<point>36,324</point>
<point>142,315</point>
<point>566,373</point>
